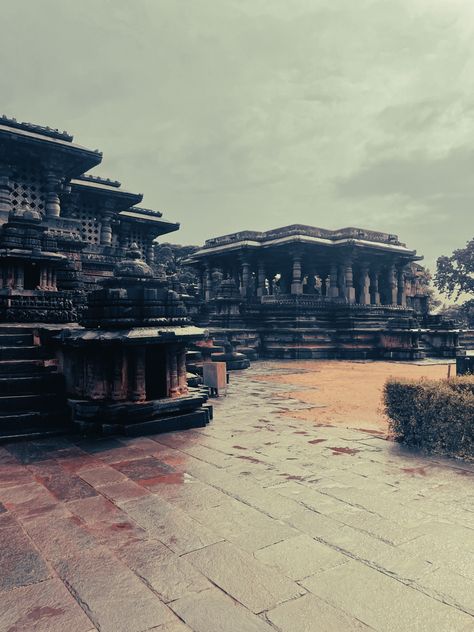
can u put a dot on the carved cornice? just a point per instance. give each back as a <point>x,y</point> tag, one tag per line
<point>37,129</point>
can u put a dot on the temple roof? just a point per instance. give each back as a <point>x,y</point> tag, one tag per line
<point>30,141</point>
<point>152,218</point>
<point>38,129</point>
<point>303,234</point>
<point>119,198</point>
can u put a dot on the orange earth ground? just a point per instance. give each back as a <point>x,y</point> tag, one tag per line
<point>347,393</point>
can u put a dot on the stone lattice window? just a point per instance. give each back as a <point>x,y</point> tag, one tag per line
<point>90,226</point>
<point>28,188</point>
<point>139,238</point>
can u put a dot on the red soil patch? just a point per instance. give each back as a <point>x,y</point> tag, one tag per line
<point>346,393</point>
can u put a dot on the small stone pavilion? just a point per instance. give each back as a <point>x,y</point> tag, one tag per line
<point>87,324</point>
<point>301,291</point>
<point>125,369</point>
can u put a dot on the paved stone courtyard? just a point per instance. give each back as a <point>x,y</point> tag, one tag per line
<point>259,522</point>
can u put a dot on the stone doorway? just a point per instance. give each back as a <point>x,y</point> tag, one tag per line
<point>156,365</point>
<point>32,276</point>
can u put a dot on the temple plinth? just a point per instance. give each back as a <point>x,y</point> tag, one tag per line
<point>312,292</point>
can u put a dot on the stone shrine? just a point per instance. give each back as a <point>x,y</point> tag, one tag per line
<point>126,369</point>
<point>63,234</point>
<point>307,292</point>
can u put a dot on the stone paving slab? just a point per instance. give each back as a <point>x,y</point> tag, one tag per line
<point>310,613</point>
<point>226,566</point>
<point>214,611</point>
<point>393,606</point>
<point>43,607</point>
<point>258,522</point>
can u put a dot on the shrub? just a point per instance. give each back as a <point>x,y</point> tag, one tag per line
<point>434,415</point>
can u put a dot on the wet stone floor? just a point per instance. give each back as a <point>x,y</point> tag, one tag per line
<point>259,522</point>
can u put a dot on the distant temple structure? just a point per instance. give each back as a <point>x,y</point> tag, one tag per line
<point>87,323</point>
<point>306,292</point>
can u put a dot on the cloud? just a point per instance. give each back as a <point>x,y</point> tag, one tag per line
<point>257,113</point>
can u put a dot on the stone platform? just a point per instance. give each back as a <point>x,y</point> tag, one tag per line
<point>257,523</point>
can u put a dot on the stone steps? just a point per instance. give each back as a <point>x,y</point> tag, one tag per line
<point>16,340</point>
<point>32,394</point>
<point>20,403</point>
<point>27,368</point>
<point>29,352</point>
<point>30,384</point>
<point>32,424</point>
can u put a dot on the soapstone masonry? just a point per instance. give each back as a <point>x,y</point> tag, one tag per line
<point>88,324</point>
<point>306,292</point>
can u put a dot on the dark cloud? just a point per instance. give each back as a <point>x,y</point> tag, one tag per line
<point>417,176</point>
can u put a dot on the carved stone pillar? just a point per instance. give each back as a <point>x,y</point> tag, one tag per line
<point>106,228</point>
<point>374,287</point>
<point>401,289</point>
<point>261,277</point>
<point>53,205</point>
<point>207,282</point>
<point>364,282</point>
<point>9,281</point>
<point>182,380</point>
<point>408,292</point>
<point>244,290</point>
<point>19,277</point>
<point>200,285</point>
<point>173,372</point>
<point>50,279</point>
<point>119,376</point>
<point>392,285</point>
<point>333,290</point>
<point>150,251</point>
<point>43,280</point>
<point>296,285</point>
<point>350,290</point>
<point>136,363</point>
<point>5,189</point>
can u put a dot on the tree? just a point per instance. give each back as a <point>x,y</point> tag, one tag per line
<point>455,274</point>
<point>462,315</point>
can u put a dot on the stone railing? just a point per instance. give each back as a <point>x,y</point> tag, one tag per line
<point>245,235</point>
<point>305,300</point>
<point>301,299</point>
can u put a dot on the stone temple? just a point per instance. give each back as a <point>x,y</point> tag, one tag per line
<point>307,292</point>
<point>90,331</point>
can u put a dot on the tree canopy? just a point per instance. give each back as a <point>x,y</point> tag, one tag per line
<point>455,274</point>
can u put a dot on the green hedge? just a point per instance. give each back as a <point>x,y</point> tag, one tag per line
<point>434,415</point>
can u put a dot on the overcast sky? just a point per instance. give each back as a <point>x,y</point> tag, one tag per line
<point>254,114</point>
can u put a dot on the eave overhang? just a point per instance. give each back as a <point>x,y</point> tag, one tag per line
<point>251,245</point>
<point>119,199</point>
<point>70,158</point>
